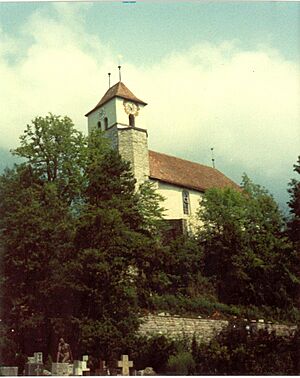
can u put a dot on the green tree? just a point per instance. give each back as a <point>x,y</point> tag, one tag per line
<point>252,262</point>
<point>36,231</point>
<point>38,199</point>
<point>150,208</point>
<point>237,351</point>
<point>294,204</point>
<point>79,244</point>
<point>184,267</point>
<point>56,152</point>
<point>113,267</point>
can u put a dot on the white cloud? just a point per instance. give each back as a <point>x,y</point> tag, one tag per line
<point>243,103</point>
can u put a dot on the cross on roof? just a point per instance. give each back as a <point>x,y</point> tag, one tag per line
<point>125,364</point>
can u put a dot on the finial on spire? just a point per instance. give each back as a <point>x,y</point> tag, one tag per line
<point>109,79</point>
<point>119,73</point>
<point>212,157</point>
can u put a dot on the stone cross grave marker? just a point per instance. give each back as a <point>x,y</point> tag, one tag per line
<point>34,365</point>
<point>38,357</point>
<point>125,364</point>
<point>80,367</point>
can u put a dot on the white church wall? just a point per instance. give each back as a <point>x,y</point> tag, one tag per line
<point>115,113</point>
<point>174,204</point>
<point>110,113</point>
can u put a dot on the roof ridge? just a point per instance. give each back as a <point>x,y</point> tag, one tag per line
<point>190,161</point>
<point>186,173</point>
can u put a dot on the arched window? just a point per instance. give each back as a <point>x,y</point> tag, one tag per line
<point>186,202</point>
<point>105,123</point>
<point>131,120</point>
<point>99,125</point>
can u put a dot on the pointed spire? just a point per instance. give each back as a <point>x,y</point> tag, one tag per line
<point>119,73</point>
<point>118,90</point>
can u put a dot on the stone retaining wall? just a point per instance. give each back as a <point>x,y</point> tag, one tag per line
<point>178,327</point>
<point>203,329</point>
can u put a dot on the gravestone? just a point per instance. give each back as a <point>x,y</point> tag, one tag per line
<point>61,368</point>
<point>125,364</point>
<point>147,371</point>
<point>9,371</point>
<point>34,365</point>
<point>80,367</point>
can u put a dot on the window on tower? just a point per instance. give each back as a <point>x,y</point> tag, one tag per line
<point>131,120</point>
<point>105,123</point>
<point>186,202</point>
<point>99,125</point>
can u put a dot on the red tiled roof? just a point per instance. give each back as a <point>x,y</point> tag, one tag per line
<point>117,90</point>
<point>186,173</point>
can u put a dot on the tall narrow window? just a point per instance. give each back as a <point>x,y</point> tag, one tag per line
<point>99,125</point>
<point>186,202</point>
<point>105,123</point>
<point>131,120</point>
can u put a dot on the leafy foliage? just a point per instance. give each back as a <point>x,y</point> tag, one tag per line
<point>57,153</point>
<point>240,352</point>
<point>252,262</point>
<point>181,363</point>
<point>82,253</point>
<point>151,209</point>
<point>294,204</point>
<point>74,247</point>
<point>154,352</point>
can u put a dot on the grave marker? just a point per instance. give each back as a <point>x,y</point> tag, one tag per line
<point>34,365</point>
<point>60,368</point>
<point>38,357</point>
<point>80,367</point>
<point>9,371</point>
<point>125,364</point>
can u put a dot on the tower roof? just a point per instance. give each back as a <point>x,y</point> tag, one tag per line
<point>117,90</point>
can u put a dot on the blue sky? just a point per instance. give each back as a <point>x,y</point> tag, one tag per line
<point>164,27</point>
<point>214,74</point>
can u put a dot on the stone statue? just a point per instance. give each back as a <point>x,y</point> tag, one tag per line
<point>64,353</point>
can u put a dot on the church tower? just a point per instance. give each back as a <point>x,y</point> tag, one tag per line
<point>117,114</point>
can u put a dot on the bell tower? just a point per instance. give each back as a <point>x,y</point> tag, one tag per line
<point>119,115</point>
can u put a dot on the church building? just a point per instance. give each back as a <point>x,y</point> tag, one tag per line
<point>119,114</point>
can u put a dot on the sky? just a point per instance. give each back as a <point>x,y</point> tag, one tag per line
<point>214,74</point>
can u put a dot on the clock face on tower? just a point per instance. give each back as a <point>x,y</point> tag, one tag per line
<point>131,108</point>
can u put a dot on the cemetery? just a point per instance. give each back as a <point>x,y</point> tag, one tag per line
<point>162,325</point>
<point>36,367</point>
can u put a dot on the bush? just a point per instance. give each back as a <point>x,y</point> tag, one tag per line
<point>235,352</point>
<point>181,364</point>
<point>153,352</point>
